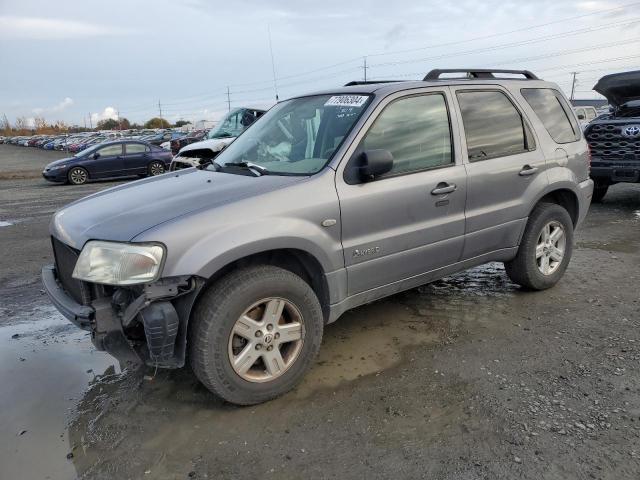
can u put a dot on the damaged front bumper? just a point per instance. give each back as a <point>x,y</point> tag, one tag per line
<point>147,324</point>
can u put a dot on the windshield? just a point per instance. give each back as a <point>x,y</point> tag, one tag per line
<point>230,126</point>
<point>298,136</point>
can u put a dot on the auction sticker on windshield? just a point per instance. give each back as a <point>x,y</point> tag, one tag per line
<point>346,101</point>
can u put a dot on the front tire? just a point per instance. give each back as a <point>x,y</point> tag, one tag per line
<point>254,334</point>
<point>545,249</point>
<point>78,176</point>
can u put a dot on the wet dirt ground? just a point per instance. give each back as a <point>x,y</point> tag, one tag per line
<point>467,378</point>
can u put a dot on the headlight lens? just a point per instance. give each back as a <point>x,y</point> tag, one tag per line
<point>57,167</point>
<point>119,263</point>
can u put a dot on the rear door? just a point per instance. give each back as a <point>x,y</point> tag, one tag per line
<point>504,168</point>
<point>410,221</point>
<point>110,162</point>
<point>136,158</point>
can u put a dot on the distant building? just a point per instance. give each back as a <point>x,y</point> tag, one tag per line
<point>204,124</point>
<point>592,102</point>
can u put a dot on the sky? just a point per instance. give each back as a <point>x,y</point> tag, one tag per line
<point>81,61</point>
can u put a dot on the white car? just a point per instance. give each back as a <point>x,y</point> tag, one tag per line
<point>232,125</point>
<point>585,115</point>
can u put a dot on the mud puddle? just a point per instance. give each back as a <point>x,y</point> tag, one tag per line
<point>173,423</point>
<point>45,367</point>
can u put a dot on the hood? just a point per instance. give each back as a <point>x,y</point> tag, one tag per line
<point>59,162</point>
<point>121,213</point>
<point>213,144</point>
<point>620,88</point>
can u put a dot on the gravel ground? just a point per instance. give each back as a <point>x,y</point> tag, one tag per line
<point>467,378</point>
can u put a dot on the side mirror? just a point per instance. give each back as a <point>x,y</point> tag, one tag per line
<point>374,163</point>
<point>95,155</point>
<point>581,116</point>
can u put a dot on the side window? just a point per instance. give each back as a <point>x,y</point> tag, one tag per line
<point>554,113</point>
<point>133,148</point>
<point>416,131</point>
<point>493,126</point>
<point>111,150</point>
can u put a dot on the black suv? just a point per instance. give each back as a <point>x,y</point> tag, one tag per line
<point>614,138</point>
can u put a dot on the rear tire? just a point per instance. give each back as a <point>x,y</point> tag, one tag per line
<point>545,249</point>
<point>156,168</point>
<point>233,335</point>
<point>78,176</point>
<point>599,191</point>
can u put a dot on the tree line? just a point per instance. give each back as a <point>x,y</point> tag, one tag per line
<point>22,126</point>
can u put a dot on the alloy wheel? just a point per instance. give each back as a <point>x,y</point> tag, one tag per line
<point>550,247</point>
<point>78,176</point>
<point>266,340</point>
<point>156,168</point>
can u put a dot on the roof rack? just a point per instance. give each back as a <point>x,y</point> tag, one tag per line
<point>478,73</point>
<point>369,82</point>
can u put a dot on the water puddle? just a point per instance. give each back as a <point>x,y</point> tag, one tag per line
<point>45,366</point>
<point>613,246</point>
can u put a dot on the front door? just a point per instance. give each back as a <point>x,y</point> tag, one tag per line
<point>411,220</point>
<point>109,163</point>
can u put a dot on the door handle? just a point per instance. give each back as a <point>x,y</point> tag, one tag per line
<point>443,188</point>
<point>527,170</point>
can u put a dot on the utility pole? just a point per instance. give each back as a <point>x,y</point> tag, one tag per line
<point>160,110</point>
<point>90,121</point>
<point>228,99</point>
<point>364,67</point>
<point>573,84</point>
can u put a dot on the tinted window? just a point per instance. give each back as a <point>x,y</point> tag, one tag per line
<point>415,130</point>
<point>554,113</point>
<point>133,148</point>
<point>493,127</point>
<point>111,150</point>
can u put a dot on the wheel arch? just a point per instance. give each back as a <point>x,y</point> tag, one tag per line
<point>566,198</point>
<point>297,261</point>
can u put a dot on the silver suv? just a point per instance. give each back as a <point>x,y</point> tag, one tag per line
<point>328,201</point>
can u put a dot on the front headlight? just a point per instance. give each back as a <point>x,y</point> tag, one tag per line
<point>119,263</point>
<point>57,167</point>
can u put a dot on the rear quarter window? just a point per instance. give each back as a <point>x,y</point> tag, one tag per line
<point>554,113</point>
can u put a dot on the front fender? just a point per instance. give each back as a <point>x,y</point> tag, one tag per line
<point>210,254</point>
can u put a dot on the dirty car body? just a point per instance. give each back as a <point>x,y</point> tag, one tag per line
<point>334,188</point>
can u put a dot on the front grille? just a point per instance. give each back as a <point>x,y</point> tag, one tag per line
<point>66,258</point>
<point>608,142</point>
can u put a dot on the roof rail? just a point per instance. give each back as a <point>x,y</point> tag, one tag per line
<point>369,82</point>
<point>478,73</point>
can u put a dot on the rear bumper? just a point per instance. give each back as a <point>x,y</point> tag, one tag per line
<point>80,315</point>
<point>585,191</point>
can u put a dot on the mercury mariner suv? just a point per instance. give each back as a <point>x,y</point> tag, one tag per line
<point>328,201</point>
<point>614,138</point>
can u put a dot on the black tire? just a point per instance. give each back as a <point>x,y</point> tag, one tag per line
<point>524,269</point>
<point>156,168</point>
<point>78,176</point>
<point>599,191</point>
<point>216,314</point>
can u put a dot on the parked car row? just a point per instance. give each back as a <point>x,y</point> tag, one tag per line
<point>77,142</point>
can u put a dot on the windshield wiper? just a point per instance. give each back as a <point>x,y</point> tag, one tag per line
<point>259,170</point>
